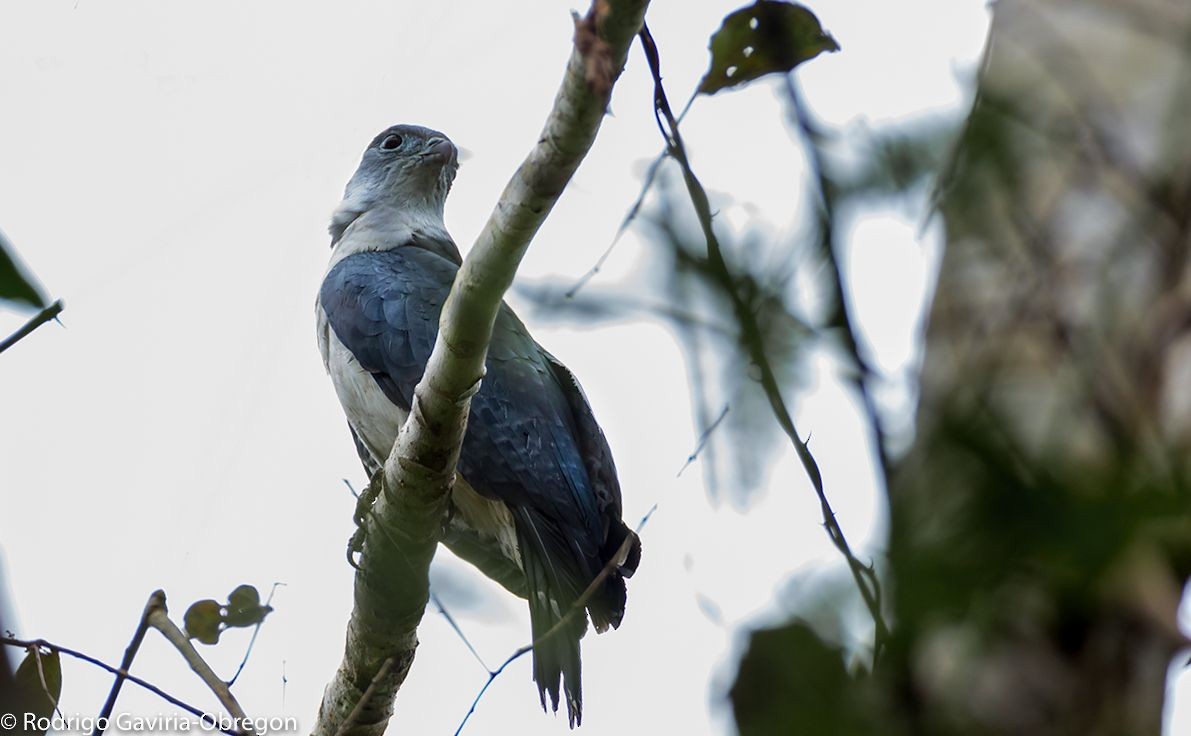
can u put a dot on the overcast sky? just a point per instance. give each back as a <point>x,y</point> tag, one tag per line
<point>168,169</point>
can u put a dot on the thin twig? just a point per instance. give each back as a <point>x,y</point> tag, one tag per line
<point>492,676</point>
<point>38,320</point>
<point>648,515</point>
<point>864,576</point>
<point>45,686</point>
<point>27,643</point>
<point>129,654</point>
<point>252,641</point>
<point>703,438</point>
<point>160,620</point>
<point>577,607</point>
<point>634,210</point>
<point>455,625</point>
<point>352,717</point>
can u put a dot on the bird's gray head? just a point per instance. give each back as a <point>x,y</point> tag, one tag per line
<point>407,168</point>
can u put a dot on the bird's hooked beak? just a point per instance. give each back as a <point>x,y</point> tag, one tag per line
<point>441,151</point>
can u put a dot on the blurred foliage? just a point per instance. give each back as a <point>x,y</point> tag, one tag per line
<point>1012,521</point>
<point>1040,523</point>
<point>17,286</point>
<point>793,682</point>
<point>38,687</point>
<point>892,163</point>
<point>1040,537</point>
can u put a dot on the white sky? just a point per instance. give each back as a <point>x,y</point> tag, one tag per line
<point>168,169</point>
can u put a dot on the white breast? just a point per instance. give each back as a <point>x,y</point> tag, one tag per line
<point>375,419</point>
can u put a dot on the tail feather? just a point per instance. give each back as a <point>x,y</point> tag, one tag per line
<point>556,641</point>
<point>553,586</point>
<point>623,550</point>
<point>556,656</point>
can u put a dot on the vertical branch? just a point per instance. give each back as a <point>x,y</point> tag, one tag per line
<point>155,600</point>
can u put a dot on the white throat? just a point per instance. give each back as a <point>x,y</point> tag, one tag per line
<point>385,227</point>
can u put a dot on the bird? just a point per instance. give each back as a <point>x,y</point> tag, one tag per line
<point>536,504</point>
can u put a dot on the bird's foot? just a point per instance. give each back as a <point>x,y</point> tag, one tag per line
<point>364,502</point>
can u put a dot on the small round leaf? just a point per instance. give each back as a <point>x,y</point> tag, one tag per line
<point>244,607</point>
<point>203,621</point>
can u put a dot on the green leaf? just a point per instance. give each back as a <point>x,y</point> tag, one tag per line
<point>16,285</point>
<point>244,607</point>
<point>203,621</point>
<point>39,685</point>
<point>763,38</point>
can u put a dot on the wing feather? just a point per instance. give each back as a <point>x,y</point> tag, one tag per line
<point>531,441</point>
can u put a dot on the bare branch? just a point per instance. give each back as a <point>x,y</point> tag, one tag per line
<point>703,439</point>
<point>491,677</point>
<point>155,600</point>
<point>39,319</point>
<point>42,643</point>
<point>159,619</point>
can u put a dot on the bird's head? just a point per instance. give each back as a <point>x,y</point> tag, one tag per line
<point>406,167</point>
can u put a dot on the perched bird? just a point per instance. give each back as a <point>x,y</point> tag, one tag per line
<point>536,504</point>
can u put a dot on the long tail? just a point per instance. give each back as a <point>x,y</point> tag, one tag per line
<point>557,627</point>
<point>554,586</point>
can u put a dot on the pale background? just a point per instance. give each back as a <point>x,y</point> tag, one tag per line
<point>168,169</point>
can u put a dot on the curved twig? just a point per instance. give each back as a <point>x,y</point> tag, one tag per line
<point>74,653</point>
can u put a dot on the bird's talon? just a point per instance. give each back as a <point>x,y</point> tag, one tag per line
<point>355,548</point>
<point>355,545</point>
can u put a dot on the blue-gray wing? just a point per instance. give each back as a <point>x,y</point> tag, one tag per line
<point>521,444</point>
<point>384,307</point>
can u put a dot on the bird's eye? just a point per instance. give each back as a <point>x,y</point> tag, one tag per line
<point>391,142</point>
